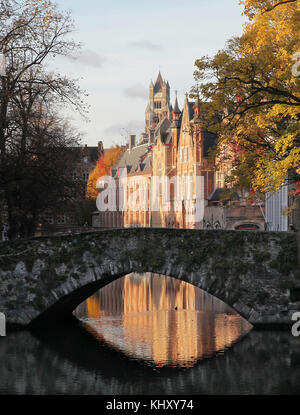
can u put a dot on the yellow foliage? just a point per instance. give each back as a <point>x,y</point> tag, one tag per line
<point>258,69</point>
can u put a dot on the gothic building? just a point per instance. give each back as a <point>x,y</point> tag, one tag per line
<point>168,178</point>
<point>159,106</point>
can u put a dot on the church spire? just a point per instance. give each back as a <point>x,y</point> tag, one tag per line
<point>159,78</point>
<point>176,112</point>
<point>159,103</point>
<point>159,83</point>
<point>176,107</point>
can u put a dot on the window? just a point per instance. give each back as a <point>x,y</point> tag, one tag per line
<point>49,219</point>
<point>187,154</point>
<point>61,219</point>
<point>184,154</point>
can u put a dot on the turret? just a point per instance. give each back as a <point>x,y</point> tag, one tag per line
<point>151,93</point>
<point>176,111</point>
<point>175,128</point>
<point>197,111</point>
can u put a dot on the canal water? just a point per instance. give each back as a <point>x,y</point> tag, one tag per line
<point>149,334</point>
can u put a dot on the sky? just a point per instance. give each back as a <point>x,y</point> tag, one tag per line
<point>126,43</point>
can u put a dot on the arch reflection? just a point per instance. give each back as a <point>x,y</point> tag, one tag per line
<point>162,320</point>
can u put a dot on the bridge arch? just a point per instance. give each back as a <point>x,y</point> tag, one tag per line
<point>252,272</point>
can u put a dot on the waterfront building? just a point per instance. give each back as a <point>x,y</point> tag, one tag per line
<point>169,179</point>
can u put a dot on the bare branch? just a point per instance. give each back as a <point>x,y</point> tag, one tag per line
<point>279,4</point>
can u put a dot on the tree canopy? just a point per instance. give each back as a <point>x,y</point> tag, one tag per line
<point>35,143</point>
<point>252,86</point>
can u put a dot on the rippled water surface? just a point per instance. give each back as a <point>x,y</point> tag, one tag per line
<point>161,320</point>
<point>148,334</point>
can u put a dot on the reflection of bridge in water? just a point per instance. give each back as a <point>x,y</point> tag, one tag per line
<point>82,365</point>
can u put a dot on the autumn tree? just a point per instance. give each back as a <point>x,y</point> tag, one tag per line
<point>251,84</point>
<point>34,141</point>
<point>104,163</point>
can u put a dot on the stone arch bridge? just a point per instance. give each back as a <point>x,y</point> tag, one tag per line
<point>44,279</point>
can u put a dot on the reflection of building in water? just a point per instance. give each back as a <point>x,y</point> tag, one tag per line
<point>111,298</point>
<point>93,307</point>
<point>228,329</point>
<point>163,319</point>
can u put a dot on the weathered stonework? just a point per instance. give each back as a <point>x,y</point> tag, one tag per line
<point>257,273</point>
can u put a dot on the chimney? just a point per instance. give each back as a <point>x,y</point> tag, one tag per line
<point>131,142</point>
<point>100,148</point>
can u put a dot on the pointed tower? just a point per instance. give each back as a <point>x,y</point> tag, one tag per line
<point>159,104</point>
<point>176,112</point>
<point>196,119</point>
<point>151,93</point>
<point>175,128</point>
<point>197,131</point>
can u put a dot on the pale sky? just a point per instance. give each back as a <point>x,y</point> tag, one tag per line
<point>125,42</point>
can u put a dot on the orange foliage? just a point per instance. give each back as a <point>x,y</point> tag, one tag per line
<point>102,168</point>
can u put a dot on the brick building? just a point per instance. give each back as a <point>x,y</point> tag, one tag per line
<point>167,179</point>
